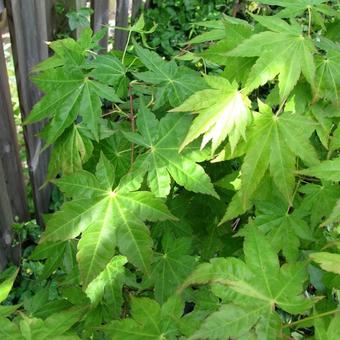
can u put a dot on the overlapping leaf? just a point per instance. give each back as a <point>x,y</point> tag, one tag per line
<point>274,144</point>
<point>327,170</point>
<point>250,290</point>
<point>162,160</point>
<point>106,218</point>
<point>282,51</point>
<point>148,320</point>
<point>223,111</point>
<point>293,8</point>
<point>327,72</point>
<point>171,268</point>
<point>283,230</point>
<point>173,83</point>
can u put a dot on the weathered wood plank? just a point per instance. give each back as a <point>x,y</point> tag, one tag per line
<point>5,222</point>
<point>136,5</point>
<point>28,30</point>
<point>9,150</point>
<point>99,18</point>
<point>122,20</point>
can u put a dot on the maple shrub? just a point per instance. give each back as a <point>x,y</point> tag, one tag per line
<point>201,196</point>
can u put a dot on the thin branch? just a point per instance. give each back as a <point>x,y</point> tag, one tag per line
<point>281,107</point>
<point>133,124</point>
<point>334,311</point>
<point>309,21</point>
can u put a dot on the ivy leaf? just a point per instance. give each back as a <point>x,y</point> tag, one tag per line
<point>173,83</point>
<point>257,285</point>
<point>148,320</point>
<point>283,51</point>
<point>223,111</point>
<point>327,170</point>
<point>108,217</point>
<point>171,267</point>
<point>162,160</point>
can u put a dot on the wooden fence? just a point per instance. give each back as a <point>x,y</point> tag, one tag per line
<point>31,23</point>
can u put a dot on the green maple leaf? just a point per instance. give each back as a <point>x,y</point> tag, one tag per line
<point>318,200</point>
<point>250,290</point>
<point>295,8</point>
<point>327,261</point>
<point>283,230</point>
<point>173,83</point>
<point>109,70</point>
<point>331,332</point>
<point>223,111</point>
<point>326,170</point>
<point>67,95</point>
<point>327,83</point>
<point>69,152</point>
<point>282,51</point>
<point>162,160</point>
<point>105,218</point>
<point>274,143</point>
<point>172,266</point>
<point>55,326</point>
<point>148,320</point>
<point>6,285</point>
<point>107,280</point>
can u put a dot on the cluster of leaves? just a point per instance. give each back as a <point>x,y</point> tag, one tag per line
<point>200,206</point>
<point>177,21</point>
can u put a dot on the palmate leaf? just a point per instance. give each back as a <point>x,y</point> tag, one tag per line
<point>330,333</point>
<point>67,95</point>
<point>223,111</point>
<point>274,143</point>
<point>327,261</point>
<point>326,170</point>
<point>6,285</point>
<point>69,153</point>
<point>107,279</point>
<point>283,230</point>
<point>173,83</point>
<point>328,72</point>
<point>295,8</point>
<point>171,268</point>
<point>318,201</point>
<point>106,218</point>
<point>282,51</point>
<point>162,160</point>
<point>148,320</point>
<point>252,289</point>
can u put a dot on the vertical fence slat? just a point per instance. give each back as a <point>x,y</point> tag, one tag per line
<point>9,150</point>
<point>5,222</point>
<point>122,20</point>
<point>99,18</point>
<point>136,4</point>
<point>28,30</point>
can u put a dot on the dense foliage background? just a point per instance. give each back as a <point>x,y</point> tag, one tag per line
<point>198,174</point>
